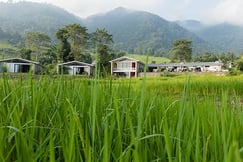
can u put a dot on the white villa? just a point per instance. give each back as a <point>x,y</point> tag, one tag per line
<point>75,68</point>
<point>19,65</point>
<point>126,67</point>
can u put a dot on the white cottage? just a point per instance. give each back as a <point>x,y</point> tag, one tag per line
<point>126,67</point>
<point>75,68</point>
<point>19,65</point>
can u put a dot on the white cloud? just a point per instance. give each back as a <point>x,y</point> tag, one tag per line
<point>96,6</point>
<point>228,11</point>
<point>212,11</point>
<point>141,3</point>
<point>84,8</point>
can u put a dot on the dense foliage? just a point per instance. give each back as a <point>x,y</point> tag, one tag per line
<point>136,31</point>
<point>225,36</point>
<point>181,51</point>
<point>133,32</point>
<point>77,44</point>
<point>163,119</point>
<point>34,17</point>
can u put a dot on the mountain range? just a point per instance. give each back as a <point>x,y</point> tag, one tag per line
<point>133,31</point>
<point>29,16</point>
<point>136,31</point>
<point>226,37</point>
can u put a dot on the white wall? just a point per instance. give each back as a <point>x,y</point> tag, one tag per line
<point>72,70</point>
<point>214,68</point>
<point>10,67</point>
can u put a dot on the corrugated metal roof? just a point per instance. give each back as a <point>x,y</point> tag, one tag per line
<point>190,64</point>
<point>70,63</point>
<point>18,60</point>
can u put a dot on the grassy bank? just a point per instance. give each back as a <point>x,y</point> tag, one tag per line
<point>184,118</point>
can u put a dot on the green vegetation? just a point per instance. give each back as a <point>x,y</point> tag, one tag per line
<point>33,17</point>
<point>133,32</point>
<point>4,45</point>
<point>7,49</point>
<point>184,118</point>
<point>137,31</point>
<point>227,37</point>
<point>182,50</point>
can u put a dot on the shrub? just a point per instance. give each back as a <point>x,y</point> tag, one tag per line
<point>234,71</point>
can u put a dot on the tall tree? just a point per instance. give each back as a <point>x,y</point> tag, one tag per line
<point>73,45</point>
<point>207,57</point>
<point>182,50</point>
<point>38,43</point>
<point>25,53</point>
<point>78,38</point>
<point>102,39</point>
<point>64,47</point>
<point>239,63</point>
<point>50,56</point>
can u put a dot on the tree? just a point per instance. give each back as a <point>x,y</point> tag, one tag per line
<point>50,56</point>
<point>85,58</point>
<point>105,55</point>
<point>102,39</point>
<point>78,37</point>
<point>25,53</point>
<point>239,64</point>
<point>207,57</point>
<point>73,45</point>
<point>182,50</point>
<point>64,47</point>
<point>38,43</point>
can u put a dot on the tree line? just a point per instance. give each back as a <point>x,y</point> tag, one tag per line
<point>74,43</point>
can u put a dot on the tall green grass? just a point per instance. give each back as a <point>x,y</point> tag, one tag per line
<point>72,119</point>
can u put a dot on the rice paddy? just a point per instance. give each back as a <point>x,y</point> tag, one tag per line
<point>182,118</point>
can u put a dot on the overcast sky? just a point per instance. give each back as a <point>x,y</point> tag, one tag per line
<point>208,11</point>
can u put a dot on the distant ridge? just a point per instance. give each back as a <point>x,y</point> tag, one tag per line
<point>133,31</point>
<point>29,16</point>
<point>191,25</point>
<point>136,31</point>
<point>227,37</point>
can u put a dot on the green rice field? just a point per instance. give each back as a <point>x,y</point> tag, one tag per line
<point>164,119</point>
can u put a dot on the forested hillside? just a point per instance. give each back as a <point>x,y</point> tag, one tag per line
<point>136,31</point>
<point>132,31</point>
<point>226,37</point>
<point>24,17</point>
<point>17,19</point>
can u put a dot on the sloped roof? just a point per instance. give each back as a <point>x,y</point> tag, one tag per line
<point>75,63</point>
<point>125,58</point>
<point>18,60</point>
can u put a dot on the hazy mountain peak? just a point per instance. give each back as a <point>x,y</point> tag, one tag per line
<point>133,31</point>
<point>32,16</point>
<point>120,10</point>
<point>191,25</point>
